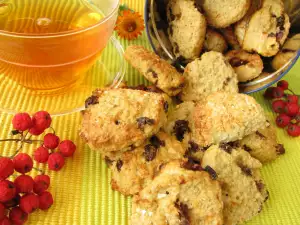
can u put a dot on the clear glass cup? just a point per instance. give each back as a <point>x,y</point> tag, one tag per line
<point>49,44</point>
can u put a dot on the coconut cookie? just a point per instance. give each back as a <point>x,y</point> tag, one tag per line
<point>246,65</point>
<point>221,14</point>
<point>267,31</point>
<point>118,118</point>
<point>134,169</point>
<point>214,41</point>
<point>226,117</point>
<point>241,26</point>
<point>243,191</point>
<point>206,75</point>
<point>187,28</point>
<point>156,70</point>
<point>287,52</point>
<point>180,194</point>
<point>263,145</point>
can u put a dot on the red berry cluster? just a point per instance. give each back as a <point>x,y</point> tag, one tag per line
<point>286,106</point>
<point>23,195</point>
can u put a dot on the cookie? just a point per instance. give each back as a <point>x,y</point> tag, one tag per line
<point>287,52</point>
<point>226,117</point>
<point>263,145</point>
<point>214,41</point>
<point>132,170</point>
<point>243,191</point>
<point>156,70</point>
<point>179,195</point>
<point>246,65</point>
<point>118,118</point>
<point>206,75</point>
<point>241,26</point>
<point>267,30</point>
<point>179,125</point>
<point>221,14</point>
<point>230,37</point>
<point>187,28</point>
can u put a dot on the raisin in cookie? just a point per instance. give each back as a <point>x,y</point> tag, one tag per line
<point>180,194</point>
<point>118,118</point>
<point>246,65</point>
<point>179,124</point>
<point>287,52</point>
<point>267,31</point>
<point>156,70</point>
<point>221,14</point>
<point>263,145</point>
<point>206,75</point>
<point>134,169</point>
<point>241,26</point>
<point>226,117</point>
<point>214,41</point>
<point>243,191</point>
<point>187,28</point>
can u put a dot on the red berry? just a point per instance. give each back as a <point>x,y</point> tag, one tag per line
<point>18,216</point>
<point>41,155</point>
<point>278,106</point>
<point>2,211</point>
<point>35,131</point>
<point>24,184</point>
<point>13,202</point>
<point>292,99</point>
<point>293,130</point>
<point>29,203</point>
<point>51,141</point>
<point>41,120</point>
<point>23,163</point>
<point>284,85</point>
<point>277,92</point>
<point>45,200</point>
<point>6,168</point>
<point>291,109</point>
<point>283,120</point>
<point>67,148</point>
<point>22,121</point>
<point>56,161</point>
<point>7,190</point>
<point>5,221</point>
<point>269,93</point>
<point>41,183</point>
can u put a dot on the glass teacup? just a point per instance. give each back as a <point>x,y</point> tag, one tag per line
<point>46,45</point>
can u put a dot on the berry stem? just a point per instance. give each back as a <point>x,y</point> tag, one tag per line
<point>39,170</point>
<point>17,151</point>
<point>291,91</point>
<point>52,130</point>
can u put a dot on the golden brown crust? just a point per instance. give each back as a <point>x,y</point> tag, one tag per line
<point>226,117</point>
<point>120,118</point>
<point>155,69</point>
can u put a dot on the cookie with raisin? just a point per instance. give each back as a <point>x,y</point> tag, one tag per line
<point>119,118</point>
<point>182,193</point>
<point>156,70</point>
<point>187,28</point>
<point>243,191</point>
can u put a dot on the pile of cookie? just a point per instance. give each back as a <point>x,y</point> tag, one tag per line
<point>252,34</point>
<point>187,154</point>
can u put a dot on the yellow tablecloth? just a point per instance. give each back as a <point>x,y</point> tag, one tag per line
<point>82,190</point>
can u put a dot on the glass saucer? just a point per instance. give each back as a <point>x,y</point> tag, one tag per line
<point>108,70</point>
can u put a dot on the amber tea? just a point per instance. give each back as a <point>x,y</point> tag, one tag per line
<point>49,44</point>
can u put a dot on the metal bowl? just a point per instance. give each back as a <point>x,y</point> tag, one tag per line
<point>156,27</point>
